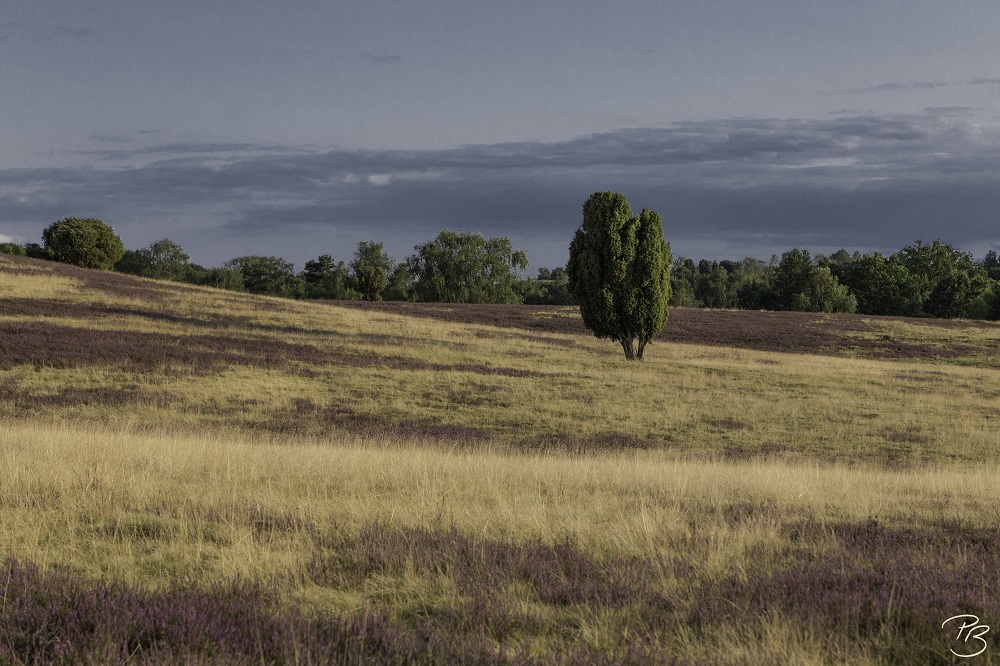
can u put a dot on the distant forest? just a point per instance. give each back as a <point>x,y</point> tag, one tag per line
<point>920,280</point>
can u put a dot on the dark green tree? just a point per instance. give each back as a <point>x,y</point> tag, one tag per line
<point>162,260</point>
<point>272,276</point>
<point>718,289</point>
<point>684,278</point>
<point>133,262</point>
<point>86,242</point>
<point>753,280</point>
<point>619,272</point>
<point>551,287</point>
<point>326,279</point>
<point>370,270</point>
<point>13,248</point>
<point>839,263</point>
<point>35,251</point>
<point>882,286</point>
<point>947,282</point>
<point>220,278</point>
<point>791,278</point>
<point>824,293</point>
<point>167,259</point>
<point>991,264</point>
<point>401,285</point>
<point>460,267</point>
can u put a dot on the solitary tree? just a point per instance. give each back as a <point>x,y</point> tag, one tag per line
<point>619,272</point>
<point>85,242</point>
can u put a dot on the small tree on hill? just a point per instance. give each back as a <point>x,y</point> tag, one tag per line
<point>619,272</point>
<point>84,242</point>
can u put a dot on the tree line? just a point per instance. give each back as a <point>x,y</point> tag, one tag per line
<point>920,280</point>
<point>454,267</point>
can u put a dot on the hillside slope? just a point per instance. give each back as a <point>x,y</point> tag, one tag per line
<point>199,476</point>
<point>82,344</point>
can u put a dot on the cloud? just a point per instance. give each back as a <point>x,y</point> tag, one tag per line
<point>853,181</point>
<point>900,86</point>
<point>903,86</point>
<point>911,85</point>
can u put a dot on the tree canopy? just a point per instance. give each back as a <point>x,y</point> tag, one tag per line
<point>163,260</point>
<point>86,242</point>
<point>619,272</point>
<point>267,275</point>
<point>460,267</point>
<point>370,270</point>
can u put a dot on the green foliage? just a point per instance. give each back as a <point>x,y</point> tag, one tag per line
<point>84,242</point>
<point>460,267</point>
<point>881,285</point>
<point>790,279</point>
<point>162,260</point>
<point>401,285</point>
<point>35,251</point>
<point>991,264</point>
<point>551,287</point>
<point>325,279</point>
<point>168,260</point>
<point>839,263</point>
<point>719,288</point>
<point>683,282</point>
<point>267,275</point>
<point>720,284</point>
<point>220,278</point>
<point>370,270</point>
<point>132,263</point>
<point>824,293</point>
<point>13,248</point>
<point>619,272</point>
<point>946,281</point>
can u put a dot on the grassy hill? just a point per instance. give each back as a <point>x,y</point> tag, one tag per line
<point>285,481</point>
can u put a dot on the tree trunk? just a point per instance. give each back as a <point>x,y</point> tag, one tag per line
<point>628,347</point>
<point>642,347</point>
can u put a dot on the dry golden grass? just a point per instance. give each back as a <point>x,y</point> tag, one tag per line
<point>154,465</point>
<point>513,389</point>
<point>71,495</point>
<point>149,509</point>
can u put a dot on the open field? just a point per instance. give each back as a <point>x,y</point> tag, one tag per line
<point>254,480</point>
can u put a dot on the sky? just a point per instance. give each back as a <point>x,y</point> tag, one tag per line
<point>299,128</point>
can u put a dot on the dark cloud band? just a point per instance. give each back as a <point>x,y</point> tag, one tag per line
<point>858,181</point>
